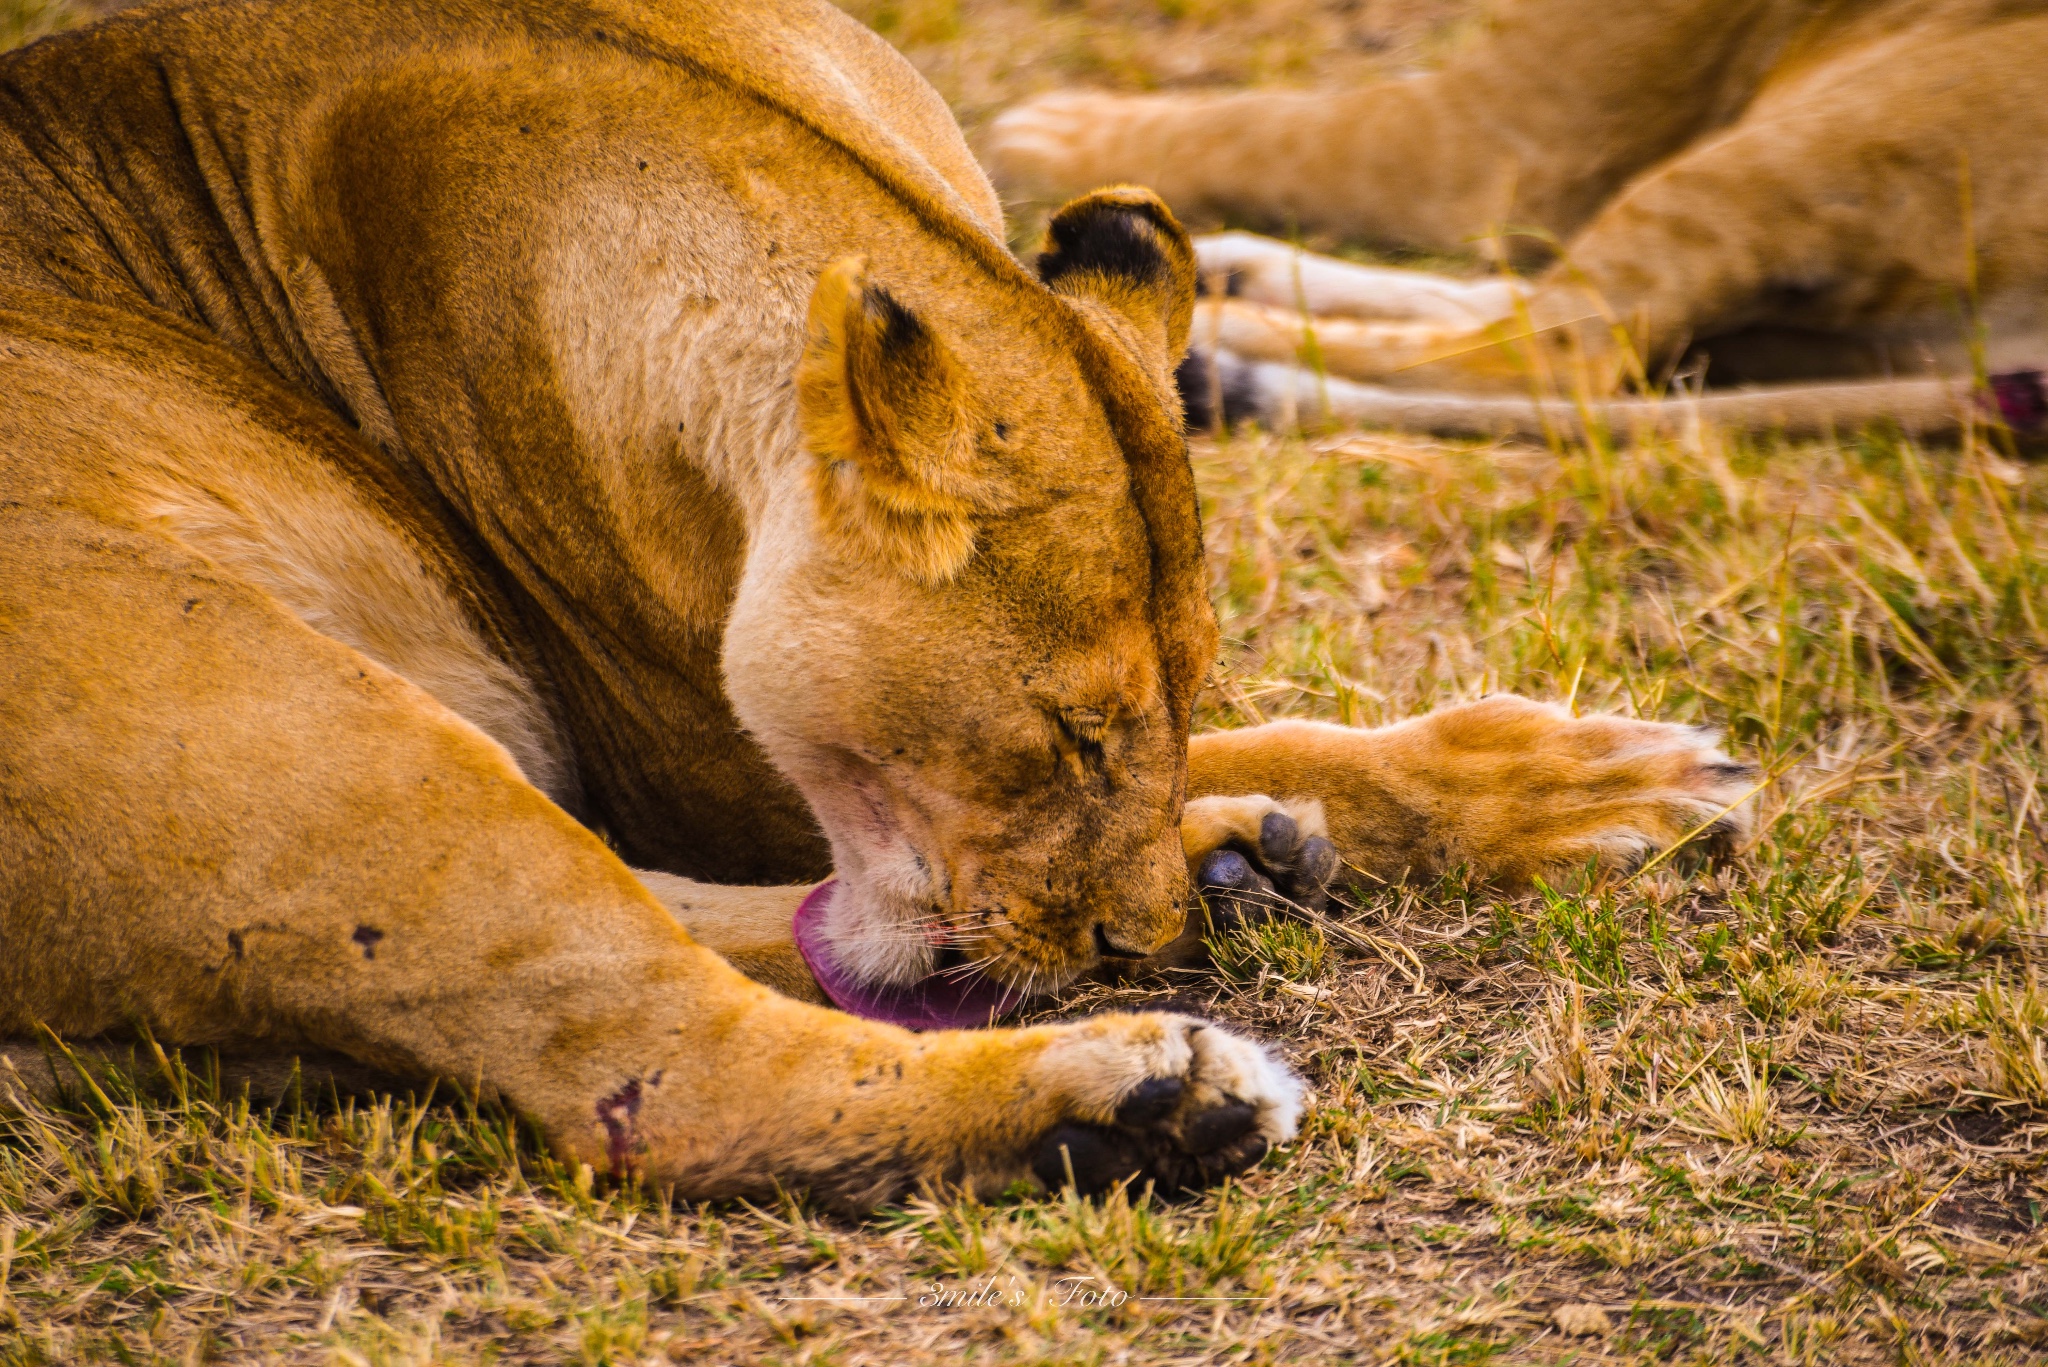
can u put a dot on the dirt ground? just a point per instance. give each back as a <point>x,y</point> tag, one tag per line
<point>1789,1110</point>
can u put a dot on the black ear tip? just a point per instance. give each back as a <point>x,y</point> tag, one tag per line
<point>1110,235</point>
<point>896,323</point>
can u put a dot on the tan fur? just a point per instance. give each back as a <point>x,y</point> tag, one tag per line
<point>1515,789</point>
<point>353,577</point>
<point>892,433</point>
<point>750,927</point>
<point>1797,189</point>
<point>455,454</point>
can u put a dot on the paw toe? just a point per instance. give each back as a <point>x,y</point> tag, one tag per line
<point>1151,1101</point>
<point>1208,1130</point>
<point>1318,860</point>
<point>1282,862</point>
<point>1239,1155</point>
<point>1721,769</point>
<point>1091,1158</point>
<point>1314,870</point>
<point>1726,832</point>
<point>1229,871</point>
<point>1220,1113</point>
<point>1279,840</point>
<point>1234,890</point>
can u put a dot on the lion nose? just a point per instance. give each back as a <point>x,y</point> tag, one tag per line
<point>1109,950</point>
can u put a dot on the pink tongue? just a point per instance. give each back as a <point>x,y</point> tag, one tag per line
<point>934,1003</point>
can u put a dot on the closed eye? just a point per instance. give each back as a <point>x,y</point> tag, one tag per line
<point>1084,725</point>
<point>1082,731</point>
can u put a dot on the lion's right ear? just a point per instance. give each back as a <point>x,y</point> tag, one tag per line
<point>1123,248</point>
<point>885,411</point>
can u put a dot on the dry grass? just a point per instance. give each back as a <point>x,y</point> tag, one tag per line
<point>24,21</point>
<point>983,55</point>
<point>1794,1110</point>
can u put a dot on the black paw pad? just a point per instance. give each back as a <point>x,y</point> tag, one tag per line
<point>1287,873</point>
<point>1721,838</point>
<point>1230,1159</point>
<point>1235,891</point>
<point>1210,1130</point>
<point>1279,839</point>
<point>1315,867</point>
<point>1095,1158</point>
<point>1151,1101</point>
<point>1229,871</point>
<point>1098,1159</point>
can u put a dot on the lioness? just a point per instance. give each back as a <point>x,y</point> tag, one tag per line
<point>1796,189</point>
<point>454,453</point>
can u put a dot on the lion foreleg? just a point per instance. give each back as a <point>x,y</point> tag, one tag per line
<point>750,926</point>
<point>1514,790</point>
<point>859,1112</point>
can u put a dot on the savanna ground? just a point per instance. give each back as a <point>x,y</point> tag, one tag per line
<point>1793,1110</point>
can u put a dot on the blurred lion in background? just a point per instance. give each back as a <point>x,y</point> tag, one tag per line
<point>1756,192</point>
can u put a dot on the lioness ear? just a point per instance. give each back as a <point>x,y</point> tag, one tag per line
<point>1123,248</point>
<point>885,412</point>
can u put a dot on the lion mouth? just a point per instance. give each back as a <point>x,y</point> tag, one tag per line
<point>948,999</point>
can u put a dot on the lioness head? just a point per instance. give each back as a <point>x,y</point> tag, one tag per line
<point>975,642</point>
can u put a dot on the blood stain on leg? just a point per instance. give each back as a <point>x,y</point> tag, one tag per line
<point>617,1113</point>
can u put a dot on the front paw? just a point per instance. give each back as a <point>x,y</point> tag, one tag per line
<point>1163,1100</point>
<point>1254,858</point>
<point>1517,791</point>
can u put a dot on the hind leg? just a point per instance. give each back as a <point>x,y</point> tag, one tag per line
<point>1279,323</point>
<point>1835,207</point>
<point>1822,236</point>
